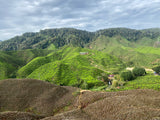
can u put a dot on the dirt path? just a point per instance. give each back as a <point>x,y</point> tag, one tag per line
<point>147,69</point>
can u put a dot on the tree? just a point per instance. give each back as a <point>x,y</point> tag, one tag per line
<point>103,77</point>
<point>138,71</point>
<point>156,69</point>
<point>127,75</point>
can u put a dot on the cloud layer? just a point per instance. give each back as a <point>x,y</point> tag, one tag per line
<point>19,16</point>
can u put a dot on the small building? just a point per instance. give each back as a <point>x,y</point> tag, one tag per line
<point>83,53</point>
<point>111,76</point>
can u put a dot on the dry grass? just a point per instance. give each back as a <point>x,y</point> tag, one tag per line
<point>58,103</point>
<point>75,114</point>
<point>124,105</point>
<point>34,96</point>
<point>127,105</point>
<point>14,115</point>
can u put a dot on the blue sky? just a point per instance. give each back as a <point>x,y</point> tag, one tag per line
<point>19,16</point>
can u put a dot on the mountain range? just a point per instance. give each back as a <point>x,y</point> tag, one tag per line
<point>68,56</point>
<point>63,73</point>
<point>80,38</point>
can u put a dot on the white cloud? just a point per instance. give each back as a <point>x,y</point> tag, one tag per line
<point>32,15</point>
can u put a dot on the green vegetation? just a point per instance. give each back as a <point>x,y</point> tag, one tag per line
<point>114,83</point>
<point>55,38</point>
<point>129,52</point>
<point>48,39</point>
<point>133,58</point>
<point>156,69</point>
<point>68,67</point>
<point>53,55</point>
<point>138,71</point>
<point>143,82</point>
<point>51,47</point>
<point>151,50</point>
<point>11,61</point>
<point>127,76</point>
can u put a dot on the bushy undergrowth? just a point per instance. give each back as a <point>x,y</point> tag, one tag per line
<point>11,61</point>
<point>156,69</point>
<point>68,74</point>
<point>144,82</point>
<point>138,71</point>
<point>131,75</point>
<point>127,76</point>
<point>68,67</point>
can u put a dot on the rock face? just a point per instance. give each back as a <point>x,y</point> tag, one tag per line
<point>38,100</point>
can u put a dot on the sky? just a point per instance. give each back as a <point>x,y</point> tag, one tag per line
<point>20,16</point>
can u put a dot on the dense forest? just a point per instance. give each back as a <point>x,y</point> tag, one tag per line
<point>76,38</point>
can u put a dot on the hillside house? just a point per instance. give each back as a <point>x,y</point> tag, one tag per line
<point>111,76</point>
<point>83,53</point>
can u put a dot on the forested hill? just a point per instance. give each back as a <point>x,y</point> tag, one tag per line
<point>66,36</point>
<point>44,38</point>
<point>131,34</point>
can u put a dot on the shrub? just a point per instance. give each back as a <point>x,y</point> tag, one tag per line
<point>84,85</point>
<point>114,83</point>
<point>137,71</point>
<point>94,83</point>
<point>103,77</point>
<point>121,83</point>
<point>127,75</point>
<point>156,69</point>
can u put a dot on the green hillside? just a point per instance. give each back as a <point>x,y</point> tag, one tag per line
<point>44,38</point>
<point>11,61</point>
<point>105,42</point>
<point>68,75</point>
<point>8,64</point>
<point>131,53</point>
<point>150,50</point>
<point>143,82</point>
<point>6,70</point>
<point>78,58</point>
<point>68,67</point>
<point>134,58</point>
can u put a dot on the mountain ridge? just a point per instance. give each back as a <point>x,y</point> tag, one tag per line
<point>75,37</point>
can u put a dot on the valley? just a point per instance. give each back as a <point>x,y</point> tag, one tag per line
<point>68,73</point>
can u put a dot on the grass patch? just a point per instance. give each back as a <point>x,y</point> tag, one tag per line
<point>142,82</point>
